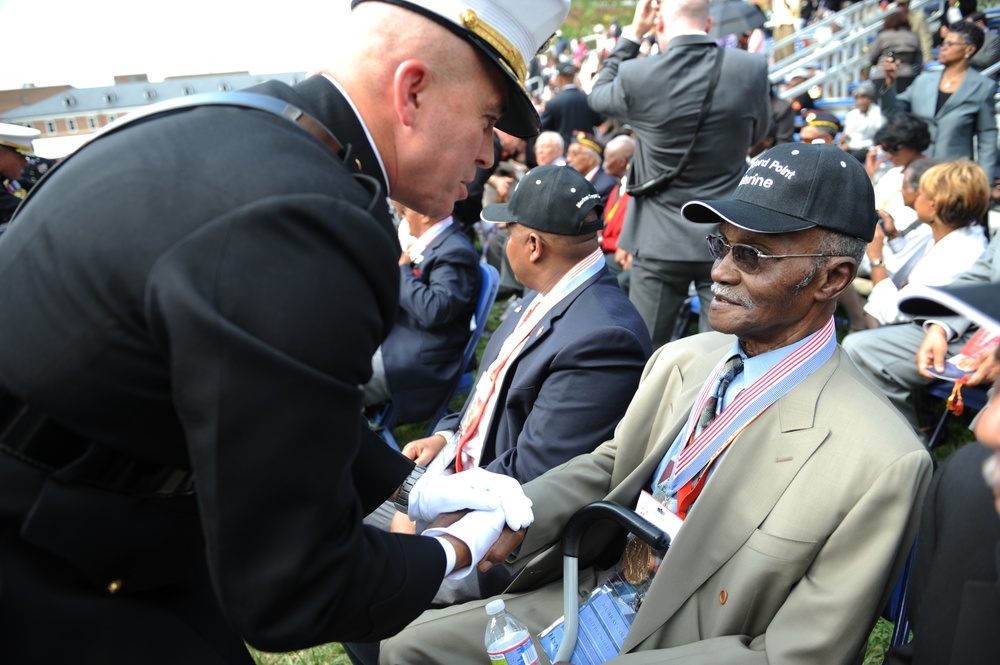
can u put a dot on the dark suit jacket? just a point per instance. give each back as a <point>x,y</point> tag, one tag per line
<point>216,281</point>
<point>569,386</point>
<point>437,298</point>
<point>568,112</point>
<point>660,97</point>
<point>954,596</point>
<point>604,183</point>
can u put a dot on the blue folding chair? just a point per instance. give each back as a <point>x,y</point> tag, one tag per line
<point>490,279</point>
<point>895,610</point>
<point>689,314</point>
<point>387,416</point>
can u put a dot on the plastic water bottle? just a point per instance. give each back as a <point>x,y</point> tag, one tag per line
<point>507,638</point>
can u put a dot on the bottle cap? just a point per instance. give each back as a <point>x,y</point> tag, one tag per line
<point>495,607</point>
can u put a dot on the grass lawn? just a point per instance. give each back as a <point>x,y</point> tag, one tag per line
<point>327,654</point>
<point>878,642</point>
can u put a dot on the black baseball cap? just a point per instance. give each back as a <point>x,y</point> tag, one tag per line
<point>794,187</point>
<point>553,199</point>
<point>979,303</point>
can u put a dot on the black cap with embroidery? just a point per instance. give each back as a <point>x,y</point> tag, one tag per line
<point>553,199</point>
<point>794,187</point>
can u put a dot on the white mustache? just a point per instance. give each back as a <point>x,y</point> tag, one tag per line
<point>730,294</point>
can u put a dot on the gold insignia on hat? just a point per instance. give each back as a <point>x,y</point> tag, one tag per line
<point>545,47</point>
<point>510,57</point>
<point>815,120</point>
<point>585,139</point>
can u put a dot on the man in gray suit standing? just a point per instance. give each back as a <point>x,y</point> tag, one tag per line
<point>660,97</point>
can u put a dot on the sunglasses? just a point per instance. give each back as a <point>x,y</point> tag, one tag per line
<point>747,258</point>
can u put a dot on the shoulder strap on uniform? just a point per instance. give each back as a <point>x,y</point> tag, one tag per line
<point>249,100</point>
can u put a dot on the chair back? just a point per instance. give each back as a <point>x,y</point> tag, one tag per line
<point>896,609</point>
<point>489,286</point>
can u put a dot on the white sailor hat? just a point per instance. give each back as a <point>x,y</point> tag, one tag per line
<point>19,138</point>
<point>510,33</point>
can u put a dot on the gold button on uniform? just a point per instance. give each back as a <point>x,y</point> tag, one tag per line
<point>723,597</point>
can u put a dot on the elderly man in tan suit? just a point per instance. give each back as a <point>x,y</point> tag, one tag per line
<point>799,499</point>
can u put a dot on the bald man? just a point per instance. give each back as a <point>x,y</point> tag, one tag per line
<point>218,298</point>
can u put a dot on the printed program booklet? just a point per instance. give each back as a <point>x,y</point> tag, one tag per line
<point>605,618</point>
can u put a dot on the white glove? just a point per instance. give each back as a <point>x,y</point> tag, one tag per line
<point>478,530</point>
<point>475,489</point>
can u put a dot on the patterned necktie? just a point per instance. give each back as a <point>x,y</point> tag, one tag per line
<point>689,492</point>
<point>732,369</point>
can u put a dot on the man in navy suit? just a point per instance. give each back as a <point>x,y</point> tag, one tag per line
<point>560,370</point>
<point>438,285</point>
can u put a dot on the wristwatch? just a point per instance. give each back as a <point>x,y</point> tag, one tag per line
<point>877,262</point>
<point>402,501</point>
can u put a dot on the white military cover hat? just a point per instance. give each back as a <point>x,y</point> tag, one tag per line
<point>510,33</point>
<point>19,138</point>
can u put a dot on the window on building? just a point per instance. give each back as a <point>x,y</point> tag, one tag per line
<point>71,124</point>
<point>92,122</point>
<point>50,127</point>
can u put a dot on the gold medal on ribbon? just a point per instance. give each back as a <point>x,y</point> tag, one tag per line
<point>638,561</point>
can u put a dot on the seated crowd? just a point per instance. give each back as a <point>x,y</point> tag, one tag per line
<point>788,551</point>
<point>783,447</point>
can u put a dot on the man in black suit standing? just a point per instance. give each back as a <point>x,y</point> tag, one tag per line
<point>190,304</point>
<point>568,112</point>
<point>660,98</point>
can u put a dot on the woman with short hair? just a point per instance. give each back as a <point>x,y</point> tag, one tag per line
<point>953,199</point>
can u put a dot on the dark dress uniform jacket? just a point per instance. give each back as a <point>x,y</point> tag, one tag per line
<point>205,290</point>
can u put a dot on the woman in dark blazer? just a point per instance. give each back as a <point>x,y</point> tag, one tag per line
<point>956,102</point>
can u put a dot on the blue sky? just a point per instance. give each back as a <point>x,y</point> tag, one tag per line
<point>67,42</point>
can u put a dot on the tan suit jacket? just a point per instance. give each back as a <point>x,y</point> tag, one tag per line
<point>787,556</point>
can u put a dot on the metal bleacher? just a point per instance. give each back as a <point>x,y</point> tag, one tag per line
<point>835,49</point>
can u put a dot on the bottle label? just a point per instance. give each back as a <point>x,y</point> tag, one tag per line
<point>522,653</point>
